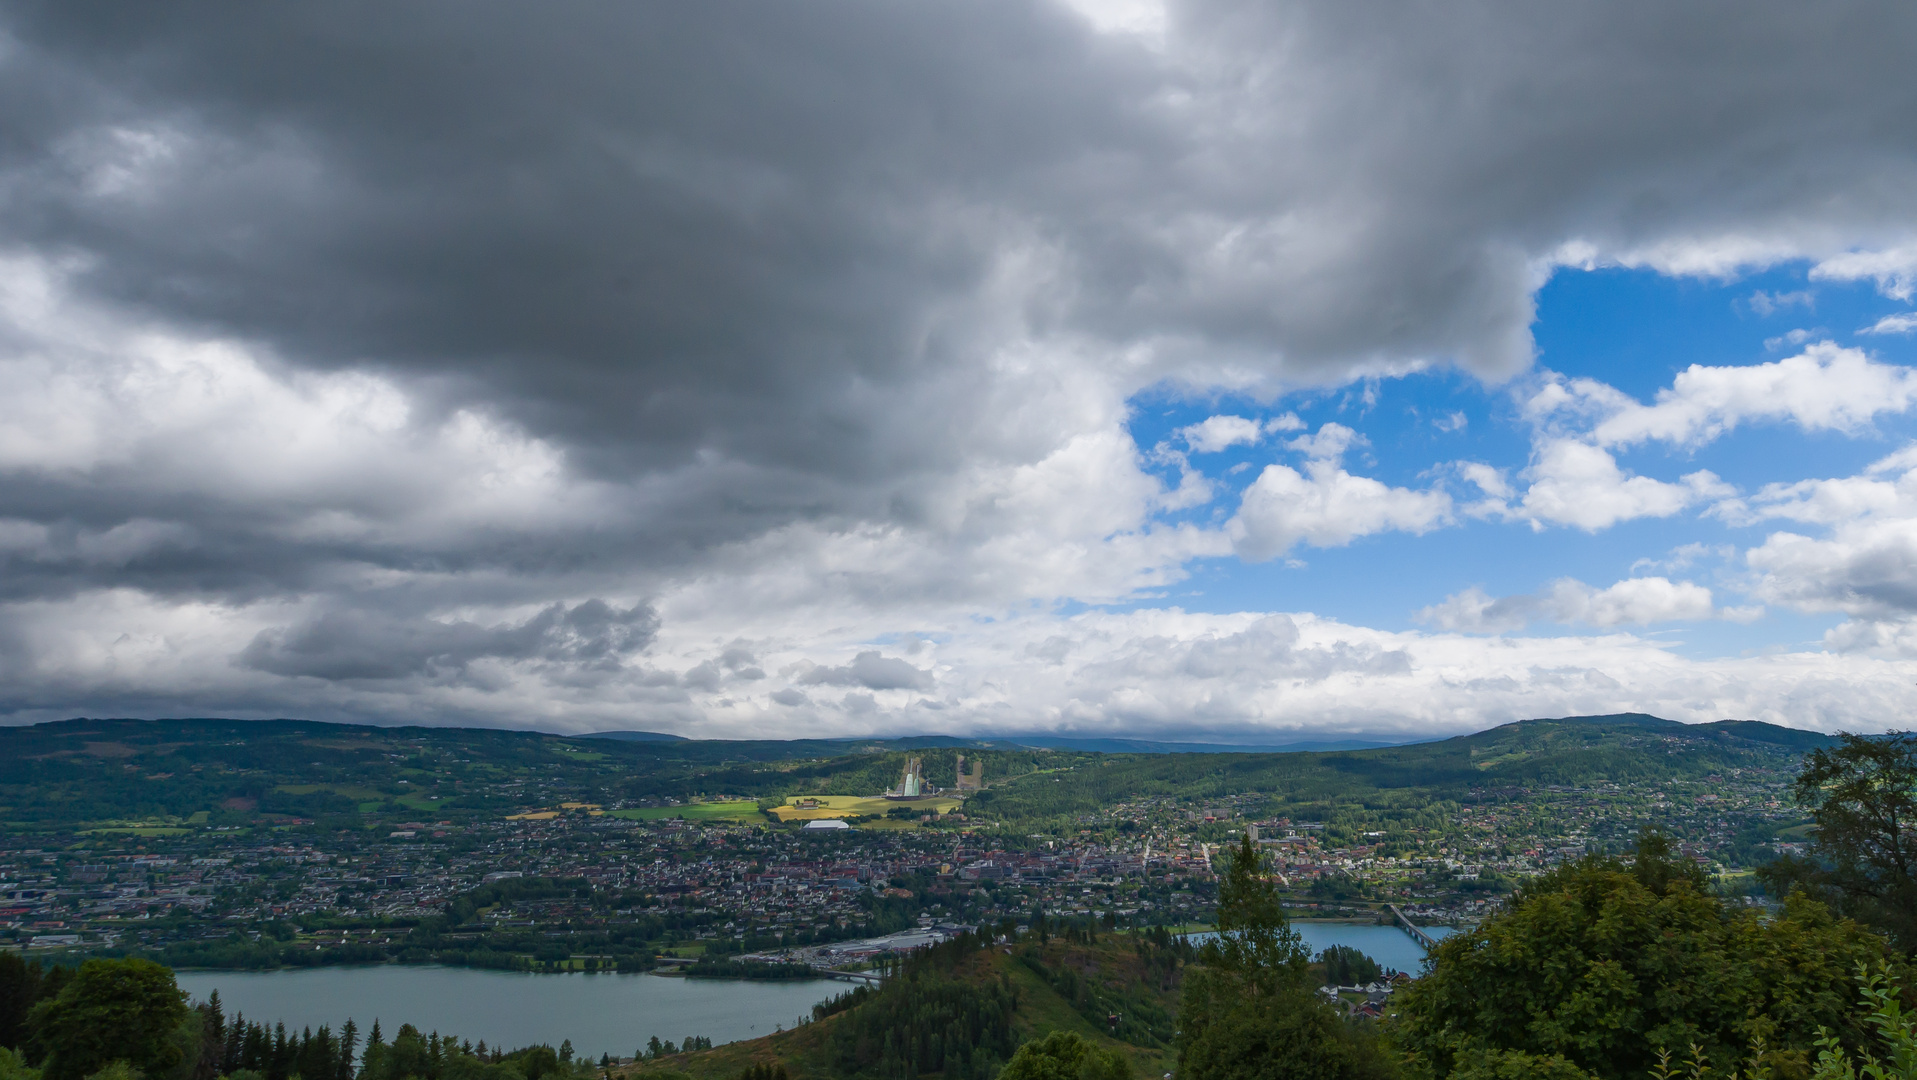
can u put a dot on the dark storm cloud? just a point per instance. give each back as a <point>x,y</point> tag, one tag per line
<point>651,227</point>
<point>654,229</point>
<point>739,266</point>
<point>352,644</point>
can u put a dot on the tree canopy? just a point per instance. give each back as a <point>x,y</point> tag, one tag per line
<point>1065,1055</point>
<point>1862,795</point>
<point>1599,966</point>
<point>112,1010</point>
<point>1249,1009</point>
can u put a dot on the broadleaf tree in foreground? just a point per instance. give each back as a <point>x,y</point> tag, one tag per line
<point>1862,797</point>
<point>1608,970</point>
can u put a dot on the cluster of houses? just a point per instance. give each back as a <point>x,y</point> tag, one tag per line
<point>1368,1000</point>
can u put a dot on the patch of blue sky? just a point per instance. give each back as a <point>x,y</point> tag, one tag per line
<point>1636,329</point>
<point>1633,330</point>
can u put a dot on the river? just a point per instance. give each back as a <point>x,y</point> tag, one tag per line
<point>1390,946</point>
<point>602,1013</point>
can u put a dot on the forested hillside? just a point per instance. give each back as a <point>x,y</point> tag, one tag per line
<point>1578,752</point>
<point>208,773</point>
<point>961,1009</point>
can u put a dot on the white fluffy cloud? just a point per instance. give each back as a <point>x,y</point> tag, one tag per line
<point>1574,476</point>
<point>1866,567</point>
<point>1863,564</point>
<point>1251,675</point>
<point>173,422</point>
<point>1324,505</point>
<point>1631,602</point>
<point>1221,432</point>
<point>1825,388</point>
<point>1216,433</point>
<point>1267,675</point>
<point>1894,269</point>
<point>1575,483</point>
<point>1892,324</point>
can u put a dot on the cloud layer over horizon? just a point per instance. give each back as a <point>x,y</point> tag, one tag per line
<point>777,369</point>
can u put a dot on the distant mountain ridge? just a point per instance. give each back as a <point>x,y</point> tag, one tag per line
<point>177,773</point>
<point>1753,731</point>
<point>1149,746</point>
<point>1045,742</point>
<point>1756,731</point>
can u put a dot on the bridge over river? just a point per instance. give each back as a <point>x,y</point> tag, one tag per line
<point>1412,928</point>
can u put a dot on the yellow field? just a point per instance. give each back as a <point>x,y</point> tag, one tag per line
<point>544,814</point>
<point>844,806</point>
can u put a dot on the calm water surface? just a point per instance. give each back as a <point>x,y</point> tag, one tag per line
<point>1390,946</point>
<point>602,1013</point>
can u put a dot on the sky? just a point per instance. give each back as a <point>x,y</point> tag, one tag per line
<point>1223,370</point>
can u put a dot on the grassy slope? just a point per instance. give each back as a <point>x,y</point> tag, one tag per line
<point>1041,1010</point>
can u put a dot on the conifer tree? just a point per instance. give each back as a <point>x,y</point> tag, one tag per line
<point>1248,1011</point>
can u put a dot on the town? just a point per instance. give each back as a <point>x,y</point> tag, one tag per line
<point>632,884</point>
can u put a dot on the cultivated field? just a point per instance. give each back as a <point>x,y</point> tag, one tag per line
<point>844,806</point>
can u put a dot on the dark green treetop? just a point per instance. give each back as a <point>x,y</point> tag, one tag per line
<point>1599,966</point>
<point>1249,1010</point>
<point>1862,794</point>
<point>1065,1055</point>
<point>112,1010</point>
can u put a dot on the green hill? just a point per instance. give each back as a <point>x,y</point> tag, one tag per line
<point>1058,985</point>
<point>1573,752</point>
<point>171,773</point>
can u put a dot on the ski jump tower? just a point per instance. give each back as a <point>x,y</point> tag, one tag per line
<point>912,783</point>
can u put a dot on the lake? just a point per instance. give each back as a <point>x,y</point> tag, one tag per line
<point>1390,946</point>
<point>601,1013</point>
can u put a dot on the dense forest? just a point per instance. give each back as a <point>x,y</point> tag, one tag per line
<point>926,1019</point>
